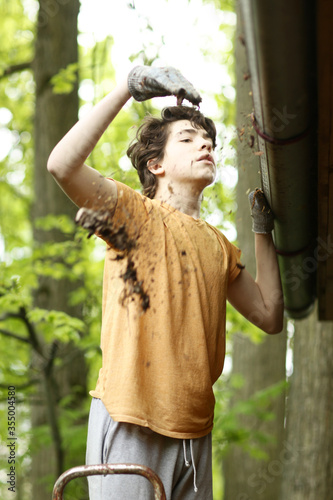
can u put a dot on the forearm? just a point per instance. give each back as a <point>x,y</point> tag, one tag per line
<point>268,277</point>
<point>71,152</point>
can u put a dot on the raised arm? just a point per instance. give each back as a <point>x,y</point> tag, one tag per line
<point>84,185</point>
<point>260,300</point>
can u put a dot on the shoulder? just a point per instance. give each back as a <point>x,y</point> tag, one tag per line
<point>230,247</point>
<point>130,211</point>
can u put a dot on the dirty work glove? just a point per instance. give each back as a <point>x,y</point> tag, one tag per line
<point>261,213</point>
<point>145,82</point>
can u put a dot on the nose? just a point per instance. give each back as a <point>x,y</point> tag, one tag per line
<point>206,144</point>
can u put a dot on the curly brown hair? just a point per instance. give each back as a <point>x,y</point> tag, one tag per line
<point>151,138</point>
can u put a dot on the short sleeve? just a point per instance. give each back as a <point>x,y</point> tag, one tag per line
<point>234,256</point>
<point>235,265</point>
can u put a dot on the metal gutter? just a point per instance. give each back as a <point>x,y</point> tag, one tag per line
<point>279,38</point>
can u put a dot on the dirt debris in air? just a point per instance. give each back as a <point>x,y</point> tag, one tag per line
<point>100,222</point>
<point>180,97</point>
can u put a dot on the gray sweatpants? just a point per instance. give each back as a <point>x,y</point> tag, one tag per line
<point>184,466</point>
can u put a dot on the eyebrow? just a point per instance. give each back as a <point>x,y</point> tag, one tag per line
<point>194,131</point>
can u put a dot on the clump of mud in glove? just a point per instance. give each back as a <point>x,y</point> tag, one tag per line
<point>101,222</point>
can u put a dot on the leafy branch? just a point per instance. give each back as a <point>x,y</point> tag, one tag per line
<point>47,374</point>
<point>16,68</point>
<point>7,333</point>
<point>32,338</point>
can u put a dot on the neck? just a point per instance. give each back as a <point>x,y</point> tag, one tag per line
<point>184,200</point>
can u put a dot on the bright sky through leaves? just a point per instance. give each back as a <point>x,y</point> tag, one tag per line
<point>179,33</point>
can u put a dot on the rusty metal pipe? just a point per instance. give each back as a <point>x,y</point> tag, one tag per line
<point>279,38</point>
<point>105,469</point>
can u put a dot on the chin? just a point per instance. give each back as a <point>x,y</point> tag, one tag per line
<point>206,180</point>
<point>210,180</point>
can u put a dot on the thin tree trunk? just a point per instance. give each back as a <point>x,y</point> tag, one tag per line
<point>261,365</point>
<point>56,48</point>
<point>309,474</point>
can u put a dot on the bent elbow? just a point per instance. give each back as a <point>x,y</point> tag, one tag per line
<point>275,326</point>
<point>274,330</point>
<point>56,169</point>
<point>52,166</point>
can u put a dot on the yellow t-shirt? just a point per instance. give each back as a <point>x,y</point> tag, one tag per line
<point>159,364</point>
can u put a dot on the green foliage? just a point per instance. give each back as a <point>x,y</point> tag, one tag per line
<point>17,30</point>
<point>226,5</point>
<point>56,325</point>
<point>12,295</point>
<point>230,409</point>
<point>63,223</point>
<point>237,323</point>
<point>64,81</point>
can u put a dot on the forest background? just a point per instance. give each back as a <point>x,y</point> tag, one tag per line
<point>51,274</point>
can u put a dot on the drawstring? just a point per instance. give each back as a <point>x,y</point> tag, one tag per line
<point>187,463</point>
<point>193,463</point>
<point>194,468</point>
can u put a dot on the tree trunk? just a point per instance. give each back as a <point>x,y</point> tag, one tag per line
<point>261,365</point>
<point>309,474</point>
<point>56,48</point>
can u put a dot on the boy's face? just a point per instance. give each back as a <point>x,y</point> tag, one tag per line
<point>188,155</point>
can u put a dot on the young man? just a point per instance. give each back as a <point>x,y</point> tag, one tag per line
<point>167,277</point>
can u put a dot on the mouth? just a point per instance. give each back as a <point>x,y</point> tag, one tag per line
<point>208,158</point>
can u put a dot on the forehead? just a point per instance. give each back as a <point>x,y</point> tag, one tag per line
<point>182,126</point>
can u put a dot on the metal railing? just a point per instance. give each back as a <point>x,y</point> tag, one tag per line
<point>105,469</point>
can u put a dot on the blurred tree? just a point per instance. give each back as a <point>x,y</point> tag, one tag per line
<point>56,110</point>
<point>308,466</point>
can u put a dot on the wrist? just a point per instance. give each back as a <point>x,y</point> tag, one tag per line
<point>264,242</point>
<point>123,90</point>
<point>265,237</point>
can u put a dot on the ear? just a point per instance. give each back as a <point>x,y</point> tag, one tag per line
<point>155,168</point>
